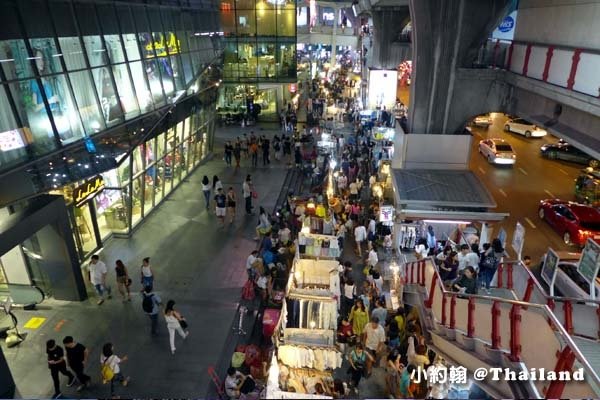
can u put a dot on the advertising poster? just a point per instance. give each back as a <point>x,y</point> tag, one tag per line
<point>549,269</point>
<point>518,240</point>
<point>589,264</point>
<point>382,89</point>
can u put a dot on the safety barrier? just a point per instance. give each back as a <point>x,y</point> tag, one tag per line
<point>579,317</point>
<point>522,332</point>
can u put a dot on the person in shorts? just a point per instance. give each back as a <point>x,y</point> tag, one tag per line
<point>220,205</point>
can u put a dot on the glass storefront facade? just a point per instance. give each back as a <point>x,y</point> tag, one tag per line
<point>259,40</point>
<point>141,182</point>
<point>70,70</point>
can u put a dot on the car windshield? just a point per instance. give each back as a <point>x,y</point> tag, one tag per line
<point>591,225</point>
<point>504,147</point>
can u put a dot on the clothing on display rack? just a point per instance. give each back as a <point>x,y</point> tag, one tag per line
<point>307,357</point>
<point>323,246</point>
<point>303,381</point>
<point>311,314</point>
<point>309,337</point>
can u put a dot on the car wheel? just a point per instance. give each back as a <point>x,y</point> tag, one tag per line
<point>567,238</point>
<point>552,155</point>
<point>527,134</point>
<point>541,213</point>
<point>506,128</point>
<point>594,163</point>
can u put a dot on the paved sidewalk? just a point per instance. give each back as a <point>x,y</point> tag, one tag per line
<point>197,263</point>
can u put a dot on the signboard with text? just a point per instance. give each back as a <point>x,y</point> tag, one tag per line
<point>550,268</point>
<point>589,264</point>
<point>88,190</point>
<point>518,240</point>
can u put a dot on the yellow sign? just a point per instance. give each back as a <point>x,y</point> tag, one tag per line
<point>34,323</point>
<point>88,190</point>
<point>162,47</point>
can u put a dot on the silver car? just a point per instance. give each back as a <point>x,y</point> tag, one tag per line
<point>497,151</point>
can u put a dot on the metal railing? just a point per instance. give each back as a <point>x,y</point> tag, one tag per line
<point>516,329</point>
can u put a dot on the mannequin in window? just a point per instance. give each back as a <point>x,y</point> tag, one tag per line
<point>52,97</point>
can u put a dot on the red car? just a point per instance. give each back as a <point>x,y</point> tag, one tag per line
<point>575,222</point>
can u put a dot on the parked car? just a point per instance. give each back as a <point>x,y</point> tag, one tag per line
<point>524,127</point>
<point>569,282</point>
<point>482,121</point>
<point>565,151</point>
<point>575,222</point>
<point>497,151</point>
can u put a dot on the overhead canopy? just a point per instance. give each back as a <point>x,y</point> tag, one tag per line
<point>443,194</point>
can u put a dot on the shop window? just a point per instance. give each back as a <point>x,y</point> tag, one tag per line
<point>72,53</point>
<point>124,172</point>
<point>180,132</point>
<point>245,4</point>
<point>160,145</point>
<point>114,49</point>
<point>152,68</point>
<point>228,22</point>
<point>64,109</point>
<point>126,93</point>
<point>138,164</point>
<point>95,50</point>
<point>246,22</point>
<point>167,72</point>
<point>85,228</point>
<point>149,152</point>
<point>13,141</point>
<point>178,162</point>
<point>266,19</point>
<point>46,56</point>
<point>286,21</point>
<point>131,46</point>
<point>266,60</point>
<point>168,172</point>
<point>286,60</point>
<point>187,127</point>
<point>248,62</point>
<point>150,179</point>
<point>137,199</point>
<point>15,59</point>
<point>142,91</point>
<point>159,183</point>
<point>83,88</point>
<point>111,107</point>
<point>27,95</point>
<point>188,71</point>
<point>146,42</point>
<point>182,37</point>
<point>177,72</point>
<point>110,213</point>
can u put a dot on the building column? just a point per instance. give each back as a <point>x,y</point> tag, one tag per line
<point>336,12</point>
<point>446,37</point>
<point>393,19</point>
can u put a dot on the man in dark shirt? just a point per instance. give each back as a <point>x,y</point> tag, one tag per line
<point>77,355</point>
<point>56,363</point>
<point>220,203</point>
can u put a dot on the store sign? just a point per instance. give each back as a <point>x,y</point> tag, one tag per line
<point>88,190</point>
<point>507,24</point>
<point>164,47</point>
<point>386,214</point>
<point>518,239</point>
<point>589,264</point>
<point>550,268</point>
<point>506,29</point>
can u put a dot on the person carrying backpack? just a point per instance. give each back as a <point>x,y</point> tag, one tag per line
<point>150,304</point>
<point>110,368</point>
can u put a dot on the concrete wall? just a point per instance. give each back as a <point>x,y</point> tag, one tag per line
<point>428,151</point>
<point>560,22</point>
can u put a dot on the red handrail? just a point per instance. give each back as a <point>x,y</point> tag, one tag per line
<point>515,333</point>
<point>496,325</point>
<point>471,317</point>
<point>509,276</point>
<point>565,362</point>
<point>568,309</point>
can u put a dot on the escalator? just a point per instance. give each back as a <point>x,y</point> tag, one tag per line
<point>478,331</point>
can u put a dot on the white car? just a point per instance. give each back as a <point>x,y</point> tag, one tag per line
<point>519,125</point>
<point>483,121</point>
<point>497,151</point>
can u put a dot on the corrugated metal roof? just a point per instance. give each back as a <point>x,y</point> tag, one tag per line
<point>458,188</point>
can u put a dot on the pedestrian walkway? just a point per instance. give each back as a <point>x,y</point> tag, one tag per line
<point>196,263</point>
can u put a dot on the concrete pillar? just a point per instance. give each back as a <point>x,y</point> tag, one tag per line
<point>446,37</point>
<point>336,11</point>
<point>388,22</point>
<point>7,383</point>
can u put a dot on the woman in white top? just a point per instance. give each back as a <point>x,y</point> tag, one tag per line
<point>217,184</point>
<point>206,190</point>
<point>174,323</point>
<point>360,235</point>
<point>109,358</point>
<point>147,274</point>
<point>264,225</point>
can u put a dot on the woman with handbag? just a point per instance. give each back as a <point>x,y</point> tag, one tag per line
<point>175,322</point>
<point>123,281</point>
